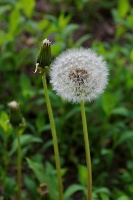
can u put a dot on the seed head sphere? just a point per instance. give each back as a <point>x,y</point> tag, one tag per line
<point>79,75</point>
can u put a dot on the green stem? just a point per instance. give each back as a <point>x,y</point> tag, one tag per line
<point>52,124</point>
<point>19,167</point>
<point>87,151</point>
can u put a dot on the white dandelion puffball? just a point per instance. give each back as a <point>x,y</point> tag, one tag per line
<point>79,75</point>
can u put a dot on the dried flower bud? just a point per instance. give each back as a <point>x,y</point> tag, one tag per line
<point>43,191</point>
<point>15,114</point>
<point>44,56</point>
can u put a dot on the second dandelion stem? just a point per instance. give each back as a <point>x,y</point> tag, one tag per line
<point>87,151</point>
<point>19,176</point>
<point>52,124</point>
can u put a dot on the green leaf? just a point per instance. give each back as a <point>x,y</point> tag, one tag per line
<point>38,169</point>
<point>103,190</point>
<point>45,175</point>
<point>82,39</point>
<point>56,48</point>
<point>28,7</point>
<point>26,86</point>
<point>69,29</point>
<point>72,112</point>
<point>30,184</point>
<point>63,21</point>
<point>14,21</point>
<point>120,111</point>
<point>123,7</point>
<point>25,140</point>
<point>4,119</point>
<point>104,196</point>
<point>9,186</point>
<point>124,137</point>
<point>131,55</point>
<point>82,172</point>
<point>123,198</point>
<point>72,189</point>
<point>108,102</point>
<point>4,9</point>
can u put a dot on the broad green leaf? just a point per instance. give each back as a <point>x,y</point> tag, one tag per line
<point>69,29</point>
<point>63,21</point>
<point>9,185</point>
<point>28,7</point>
<point>72,112</point>
<point>103,190</point>
<point>56,48</point>
<point>123,198</point>
<point>82,172</point>
<point>82,39</point>
<point>130,18</point>
<point>94,196</point>
<point>14,21</point>
<point>39,170</point>
<point>104,196</point>
<point>124,137</point>
<point>24,140</point>
<point>43,24</point>
<point>4,9</point>
<point>2,37</point>
<point>120,111</point>
<point>30,184</point>
<point>4,119</point>
<point>108,102</point>
<point>72,189</point>
<point>129,80</point>
<point>45,175</point>
<point>26,86</point>
<point>123,7</point>
<point>131,55</point>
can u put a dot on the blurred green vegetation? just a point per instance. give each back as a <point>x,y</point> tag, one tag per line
<point>106,27</point>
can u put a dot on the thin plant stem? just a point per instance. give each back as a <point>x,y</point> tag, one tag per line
<point>55,143</point>
<point>19,166</point>
<point>87,152</point>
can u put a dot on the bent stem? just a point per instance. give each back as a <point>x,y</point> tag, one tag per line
<point>19,166</point>
<point>87,152</point>
<point>55,143</point>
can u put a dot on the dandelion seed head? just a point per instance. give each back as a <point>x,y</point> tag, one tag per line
<point>79,75</point>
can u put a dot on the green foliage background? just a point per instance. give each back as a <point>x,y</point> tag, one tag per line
<point>106,27</point>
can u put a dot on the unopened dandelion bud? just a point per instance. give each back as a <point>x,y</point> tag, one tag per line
<point>44,55</point>
<point>15,115</point>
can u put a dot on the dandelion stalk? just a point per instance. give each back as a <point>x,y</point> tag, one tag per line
<point>87,152</point>
<point>19,166</point>
<point>78,76</point>
<point>16,120</point>
<point>42,64</point>
<point>53,129</point>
